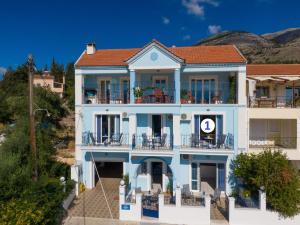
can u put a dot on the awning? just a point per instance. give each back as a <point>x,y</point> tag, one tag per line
<point>274,78</point>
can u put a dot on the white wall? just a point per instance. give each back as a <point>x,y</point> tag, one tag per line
<point>178,214</point>
<point>262,216</point>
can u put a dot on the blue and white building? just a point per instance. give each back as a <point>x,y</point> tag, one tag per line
<point>163,116</point>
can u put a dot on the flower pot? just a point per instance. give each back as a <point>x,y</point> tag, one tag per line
<point>138,100</point>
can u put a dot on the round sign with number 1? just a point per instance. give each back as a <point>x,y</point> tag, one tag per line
<point>208,125</point>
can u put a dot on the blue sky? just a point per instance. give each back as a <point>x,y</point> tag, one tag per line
<point>60,29</point>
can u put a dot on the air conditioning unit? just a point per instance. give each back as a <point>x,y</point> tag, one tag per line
<point>125,115</point>
<point>185,116</point>
<point>185,157</point>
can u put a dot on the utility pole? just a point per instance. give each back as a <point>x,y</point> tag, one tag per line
<point>30,65</point>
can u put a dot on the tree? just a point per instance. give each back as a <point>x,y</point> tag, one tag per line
<point>23,201</point>
<point>70,82</point>
<point>57,70</point>
<point>273,171</point>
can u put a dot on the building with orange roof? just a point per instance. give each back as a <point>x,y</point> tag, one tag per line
<point>173,118</point>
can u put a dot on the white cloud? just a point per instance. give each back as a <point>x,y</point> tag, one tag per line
<point>186,37</point>
<point>2,70</point>
<point>195,7</point>
<point>214,29</point>
<point>165,20</point>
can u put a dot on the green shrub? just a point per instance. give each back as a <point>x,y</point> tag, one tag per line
<point>275,173</point>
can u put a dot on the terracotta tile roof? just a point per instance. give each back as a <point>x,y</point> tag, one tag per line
<point>191,55</point>
<point>273,69</point>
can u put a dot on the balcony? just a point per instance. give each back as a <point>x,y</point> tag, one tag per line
<point>152,143</point>
<point>208,91</point>
<point>273,102</point>
<point>145,92</point>
<point>95,140</point>
<point>223,142</point>
<point>111,96</point>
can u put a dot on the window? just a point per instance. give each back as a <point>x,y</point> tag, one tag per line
<point>107,127</point>
<point>194,176</point>
<point>203,90</point>
<point>262,91</point>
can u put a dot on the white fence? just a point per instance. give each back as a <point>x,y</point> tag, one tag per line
<point>177,213</point>
<point>261,216</point>
<point>180,214</point>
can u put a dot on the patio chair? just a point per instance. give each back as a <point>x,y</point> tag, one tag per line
<point>146,143</point>
<point>195,141</point>
<point>220,141</point>
<point>161,142</point>
<point>92,138</point>
<point>186,192</point>
<point>215,198</point>
<point>116,139</point>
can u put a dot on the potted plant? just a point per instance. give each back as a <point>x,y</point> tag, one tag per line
<point>184,96</point>
<point>138,94</point>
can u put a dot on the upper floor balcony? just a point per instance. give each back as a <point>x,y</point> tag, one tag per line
<point>161,87</point>
<point>273,92</point>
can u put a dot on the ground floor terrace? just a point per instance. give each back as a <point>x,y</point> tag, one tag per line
<point>196,174</point>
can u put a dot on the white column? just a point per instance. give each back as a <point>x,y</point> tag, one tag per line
<point>241,78</point>
<point>178,197</point>
<point>132,127</point>
<point>132,85</point>
<point>262,200</point>
<point>177,85</point>
<point>79,83</point>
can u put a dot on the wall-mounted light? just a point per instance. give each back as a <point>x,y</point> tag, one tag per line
<point>207,110</point>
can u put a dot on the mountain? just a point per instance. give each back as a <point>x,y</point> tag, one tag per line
<point>278,47</point>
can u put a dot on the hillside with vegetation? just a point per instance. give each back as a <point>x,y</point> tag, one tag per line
<point>278,47</point>
<point>23,200</point>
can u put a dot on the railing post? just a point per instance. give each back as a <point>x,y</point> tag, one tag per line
<point>122,192</point>
<point>161,200</point>
<point>178,197</point>
<point>262,200</point>
<point>231,207</point>
<point>138,203</point>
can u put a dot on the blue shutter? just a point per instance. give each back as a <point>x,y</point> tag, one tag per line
<point>197,124</point>
<point>98,127</point>
<point>221,176</point>
<point>219,127</point>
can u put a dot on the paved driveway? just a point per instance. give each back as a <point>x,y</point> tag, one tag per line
<point>91,203</point>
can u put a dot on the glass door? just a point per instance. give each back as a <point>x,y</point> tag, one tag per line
<point>203,90</point>
<point>107,127</point>
<point>104,87</point>
<point>125,93</point>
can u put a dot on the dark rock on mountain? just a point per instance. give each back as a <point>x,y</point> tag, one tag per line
<point>278,47</point>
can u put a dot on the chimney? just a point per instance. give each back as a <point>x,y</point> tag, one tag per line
<point>90,48</point>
